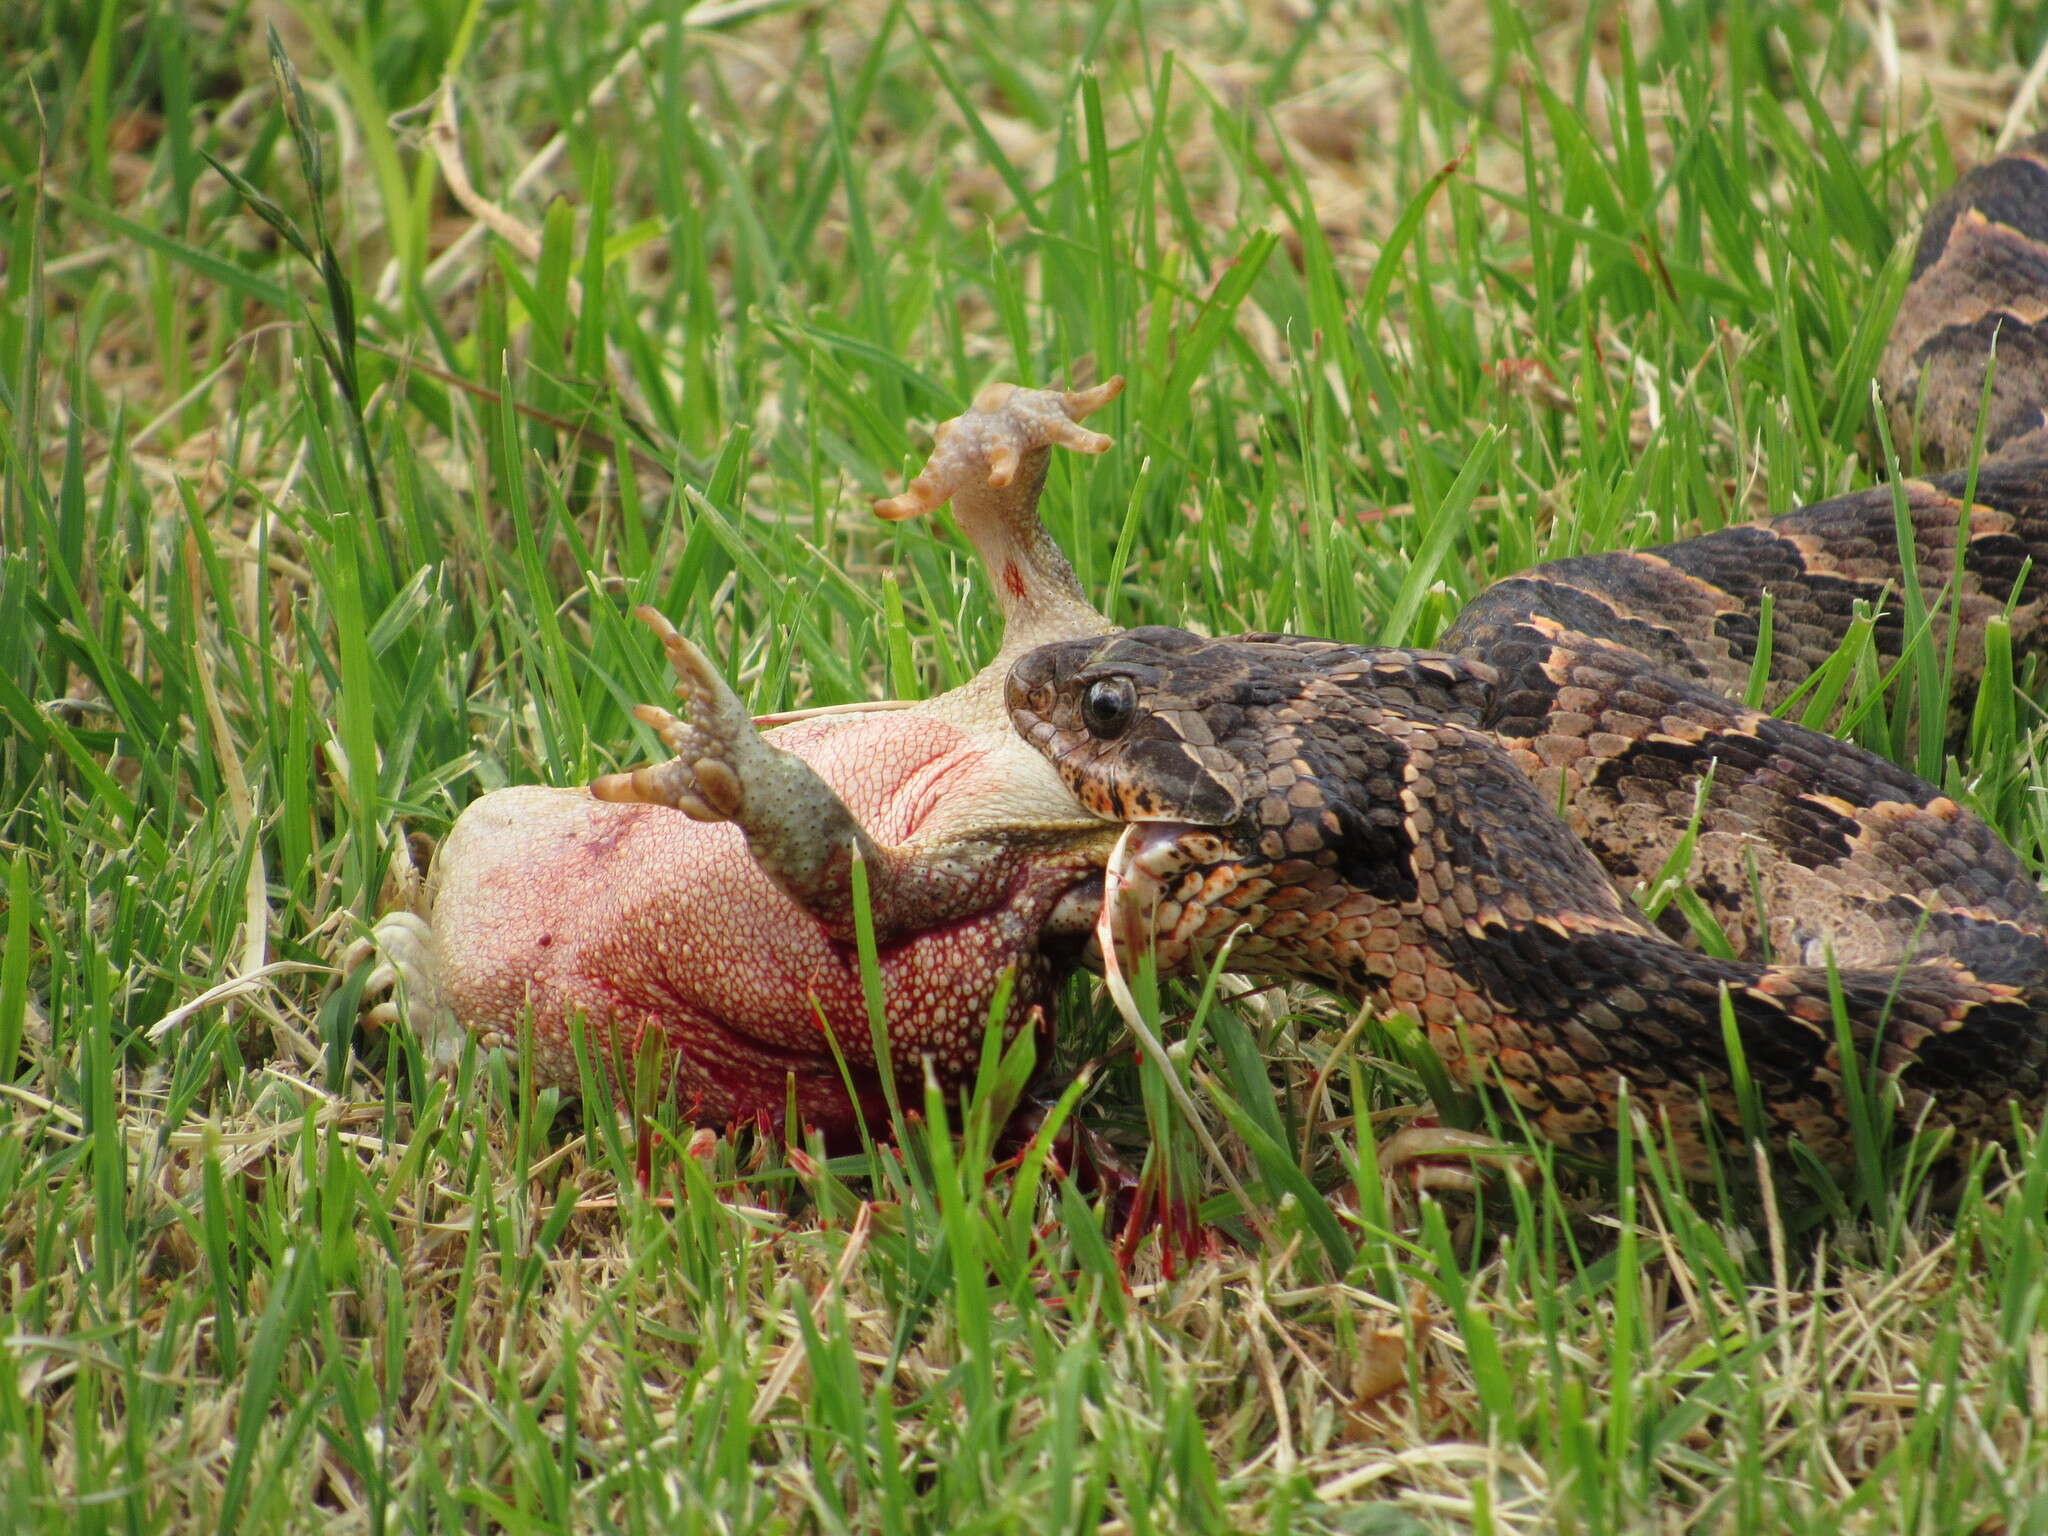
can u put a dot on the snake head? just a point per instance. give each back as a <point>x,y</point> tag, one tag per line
<point>1134,733</point>
<point>1254,751</point>
<point>1243,765</point>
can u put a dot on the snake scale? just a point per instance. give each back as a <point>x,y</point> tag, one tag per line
<point>1449,832</point>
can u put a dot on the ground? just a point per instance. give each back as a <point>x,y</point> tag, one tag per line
<point>327,496</point>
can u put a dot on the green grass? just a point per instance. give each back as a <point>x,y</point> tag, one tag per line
<point>299,554</point>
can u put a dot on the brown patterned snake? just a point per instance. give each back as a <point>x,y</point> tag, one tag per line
<point>1448,833</point>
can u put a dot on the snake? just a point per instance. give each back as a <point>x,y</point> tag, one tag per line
<point>1452,833</point>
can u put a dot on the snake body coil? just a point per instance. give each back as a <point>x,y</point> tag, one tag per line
<point>1449,832</point>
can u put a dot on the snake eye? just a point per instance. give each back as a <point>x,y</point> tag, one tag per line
<point>1108,705</point>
